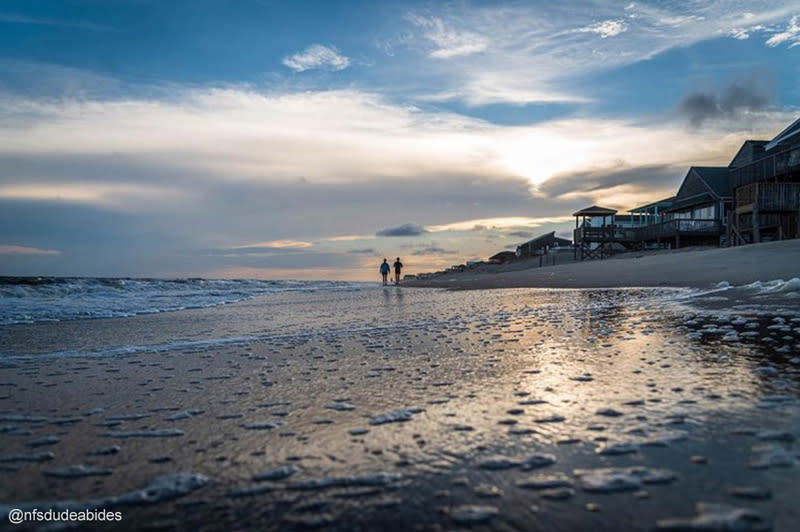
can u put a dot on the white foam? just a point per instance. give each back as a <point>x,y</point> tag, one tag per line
<point>162,488</point>
<point>612,479</point>
<point>472,513</point>
<point>716,517</point>
<point>395,416</point>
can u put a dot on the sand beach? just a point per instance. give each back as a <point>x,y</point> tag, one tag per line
<point>686,267</point>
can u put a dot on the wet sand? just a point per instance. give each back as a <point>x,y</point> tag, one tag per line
<point>393,409</point>
<point>697,268</point>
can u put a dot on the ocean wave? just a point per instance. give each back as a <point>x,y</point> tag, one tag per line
<point>37,299</point>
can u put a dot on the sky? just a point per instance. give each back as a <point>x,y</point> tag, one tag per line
<point>309,140</point>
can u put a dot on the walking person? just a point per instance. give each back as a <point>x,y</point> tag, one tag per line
<point>398,266</point>
<point>385,272</point>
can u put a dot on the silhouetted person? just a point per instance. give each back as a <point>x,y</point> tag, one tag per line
<point>385,271</point>
<point>397,267</point>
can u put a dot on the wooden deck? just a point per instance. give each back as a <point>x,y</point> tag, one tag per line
<point>670,231</point>
<point>765,211</point>
<point>768,197</point>
<point>649,233</point>
<point>772,168</point>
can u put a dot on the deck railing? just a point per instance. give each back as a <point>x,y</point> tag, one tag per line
<point>665,229</point>
<point>770,167</point>
<point>678,226</point>
<point>770,196</point>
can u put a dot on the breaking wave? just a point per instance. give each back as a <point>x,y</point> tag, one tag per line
<point>35,299</point>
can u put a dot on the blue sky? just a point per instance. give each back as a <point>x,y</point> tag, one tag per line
<point>280,139</point>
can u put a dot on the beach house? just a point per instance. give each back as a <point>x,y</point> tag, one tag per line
<point>543,244</point>
<point>754,199</point>
<point>696,215</point>
<point>765,179</point>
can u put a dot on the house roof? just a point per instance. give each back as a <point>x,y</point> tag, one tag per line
<point>547,237</point>
<point>503,254</point>
<point>666,202</point>
<point>718,179</point>
<point>594,210</point>
<point>791,131</point>
<point>756,145</point>
<point>698,199</point>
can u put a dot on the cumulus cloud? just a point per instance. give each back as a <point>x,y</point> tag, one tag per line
<point>407,229</point>
<point>742,95</point>
<point>317,56</point>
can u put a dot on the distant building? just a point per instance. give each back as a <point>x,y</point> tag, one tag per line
<point>502,257</point>
<point>543,244</point>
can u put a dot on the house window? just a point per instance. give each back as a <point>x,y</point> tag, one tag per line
<point>705,213</point>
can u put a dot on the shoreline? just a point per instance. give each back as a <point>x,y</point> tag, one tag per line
<point>681,268</point>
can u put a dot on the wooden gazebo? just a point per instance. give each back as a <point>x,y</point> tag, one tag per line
<point>587,234</point>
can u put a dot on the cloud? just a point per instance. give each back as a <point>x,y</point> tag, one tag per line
<point>621,179</point>
<point>117,196</point>
<point>41,21</point>
<point>317,56</point>
<point>107,152</point>
<point>362,251</point>
<point>6,249</point>
<point>743,95</point>
<point>537,50</point>
<point>520,234</point>
<point>495,224</point>
<point>277,244</point>
<point>606,28</point>
<point>408,229</point>
<point>790,34</point>
<point>433,250</point>
<point>449,42</point>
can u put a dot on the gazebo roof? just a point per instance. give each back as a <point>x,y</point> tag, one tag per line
<point>594,210</point>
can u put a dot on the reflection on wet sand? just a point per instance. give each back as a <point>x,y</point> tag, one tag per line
<point>515,409</point>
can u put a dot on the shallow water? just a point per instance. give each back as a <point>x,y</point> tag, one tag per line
<point>402,408</point>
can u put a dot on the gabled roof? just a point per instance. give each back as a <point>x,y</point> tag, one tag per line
<point>716,178</point>
<point>756,148</point>
<point>791,131</point>
<point>594,210</point>
<point>547,237</point>
<point>540,238</point>
<point>503,254</point>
